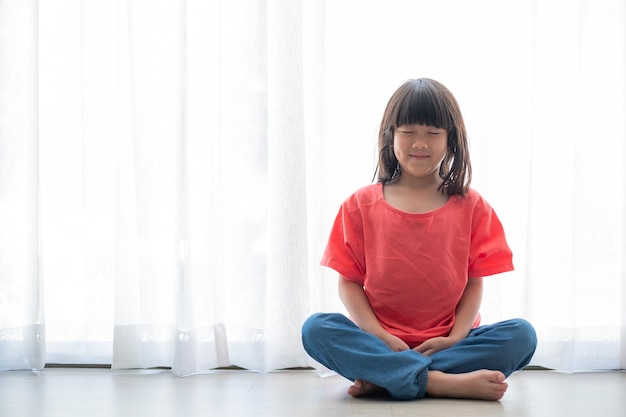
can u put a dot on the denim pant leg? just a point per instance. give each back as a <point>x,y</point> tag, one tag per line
<point>506,346</point>
<point>337,343</point>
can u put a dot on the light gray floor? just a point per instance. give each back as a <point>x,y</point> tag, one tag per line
<point>102,392</point>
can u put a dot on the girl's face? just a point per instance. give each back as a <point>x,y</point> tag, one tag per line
<point>420,149</point>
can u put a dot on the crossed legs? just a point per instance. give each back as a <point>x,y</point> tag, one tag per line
<point>476,367</point>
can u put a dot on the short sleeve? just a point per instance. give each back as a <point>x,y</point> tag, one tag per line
<point>344,251</point>
<point>489,251</point>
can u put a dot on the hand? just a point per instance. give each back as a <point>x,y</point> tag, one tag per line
<point>434,345</point>
<point>394,342</point>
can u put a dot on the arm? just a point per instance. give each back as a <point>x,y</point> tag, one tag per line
<point>353,297</point>
<point>467,309</point>
<point>466,312</point>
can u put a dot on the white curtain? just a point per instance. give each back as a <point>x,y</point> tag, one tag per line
<point>169,169</point>
<point>22,330</point>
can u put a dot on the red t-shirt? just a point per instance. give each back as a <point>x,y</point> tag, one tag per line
<point>414,266</point>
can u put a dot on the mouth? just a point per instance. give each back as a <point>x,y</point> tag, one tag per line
<point>419,157</point>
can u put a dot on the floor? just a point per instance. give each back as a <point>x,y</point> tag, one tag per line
<point>102,392</point>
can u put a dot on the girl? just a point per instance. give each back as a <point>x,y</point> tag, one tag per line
<point>411,251</point>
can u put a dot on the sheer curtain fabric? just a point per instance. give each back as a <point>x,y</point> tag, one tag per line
<point>169,170</point>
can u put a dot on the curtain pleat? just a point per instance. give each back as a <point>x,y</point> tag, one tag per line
<point>22,329</point>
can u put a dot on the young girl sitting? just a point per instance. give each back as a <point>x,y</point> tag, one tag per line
<point>411,251</point>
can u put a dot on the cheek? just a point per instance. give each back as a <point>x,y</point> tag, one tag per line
<point>443,148</point>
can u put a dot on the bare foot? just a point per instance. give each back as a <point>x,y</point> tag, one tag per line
<point>480,385</point>
<point>362,388</point>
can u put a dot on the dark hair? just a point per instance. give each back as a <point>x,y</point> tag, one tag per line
<point>426,102</point>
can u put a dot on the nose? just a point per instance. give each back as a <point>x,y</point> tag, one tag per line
<point>420,144</point>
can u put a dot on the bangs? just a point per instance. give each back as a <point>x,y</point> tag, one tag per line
<point>423,104</point>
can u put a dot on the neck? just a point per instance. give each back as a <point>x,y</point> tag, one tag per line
<point>415,195</point>
<point>431,182</point>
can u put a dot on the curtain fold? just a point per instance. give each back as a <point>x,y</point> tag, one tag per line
<point>149,184</point>
<point>22,329</point>
<point>169,170</point>
<point>287,261</point>
<point>200,330</point>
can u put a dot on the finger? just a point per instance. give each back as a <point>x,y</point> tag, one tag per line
<point>420,348</point>
<point>400,348</point>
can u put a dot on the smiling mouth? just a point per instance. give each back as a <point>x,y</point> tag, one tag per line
<point>419,156</point>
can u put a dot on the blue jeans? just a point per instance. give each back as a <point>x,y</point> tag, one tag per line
<point>337,343</point>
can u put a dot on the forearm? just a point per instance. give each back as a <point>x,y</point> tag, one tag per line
<point>467,309</point>
<point>354,299</point>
